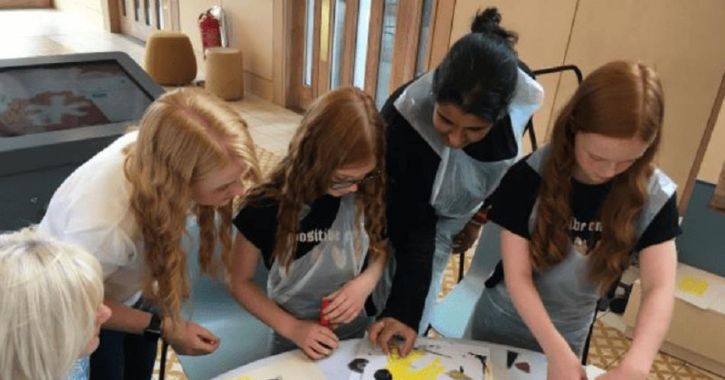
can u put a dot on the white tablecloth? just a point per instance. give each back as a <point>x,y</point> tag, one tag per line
<point>335,366</point>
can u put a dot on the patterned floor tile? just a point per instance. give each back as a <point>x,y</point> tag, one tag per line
<point>614,364</point>
<point>607,345</point>
<point>664,367</point>
<point>689,372</point>
<point>450,276</point>
<point>174,371</point>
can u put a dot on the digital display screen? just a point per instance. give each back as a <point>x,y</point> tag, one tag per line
<point>37,99</point>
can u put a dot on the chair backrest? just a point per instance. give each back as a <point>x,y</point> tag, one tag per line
<point>549,70</point>
<point>452,315</point>
<point>702,243</point>
<point>243,337</point>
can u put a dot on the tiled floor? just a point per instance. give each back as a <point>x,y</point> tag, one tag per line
<point>42,32</point>
<point>27,33</point>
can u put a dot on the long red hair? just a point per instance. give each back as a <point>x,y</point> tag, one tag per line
<point>621,100</point>
<point>341,128</point>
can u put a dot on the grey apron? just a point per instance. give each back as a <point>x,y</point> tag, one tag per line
<point>461,183</point>
<point>326,268</point>
<point>566,291</point>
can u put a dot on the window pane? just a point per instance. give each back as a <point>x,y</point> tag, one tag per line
<point>159,14</point>
<point>147,13</point>
<point>309,34</point>
<point>387,42</point>
<point>361,43</point>
<point>423,38</point>
<point>338,43</point>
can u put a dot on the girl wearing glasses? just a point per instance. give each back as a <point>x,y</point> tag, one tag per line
<point>452,133</point>
<point>318,224</point>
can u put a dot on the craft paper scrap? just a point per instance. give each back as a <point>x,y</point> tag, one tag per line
<point>693,285</point>
<point>430,360</point>
<point>700,288</point>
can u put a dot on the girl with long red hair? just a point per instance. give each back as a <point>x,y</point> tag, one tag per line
<point>572,215</point>
<point>318,224</point>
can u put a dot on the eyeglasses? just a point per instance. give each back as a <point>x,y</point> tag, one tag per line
<point>339,185</point>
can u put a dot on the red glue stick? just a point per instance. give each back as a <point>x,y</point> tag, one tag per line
<point>324,321</point>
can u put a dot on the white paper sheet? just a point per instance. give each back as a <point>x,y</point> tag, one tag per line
<point>430,360</point>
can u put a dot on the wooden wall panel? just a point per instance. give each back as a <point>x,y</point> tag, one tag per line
<point>543,27</point>
<point>251,29</point>
<point>683,41</point>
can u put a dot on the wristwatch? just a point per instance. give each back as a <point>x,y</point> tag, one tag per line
<point>153,330</point>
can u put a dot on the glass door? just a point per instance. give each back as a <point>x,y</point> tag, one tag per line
<point>141,17</point>
<point>375,45</point>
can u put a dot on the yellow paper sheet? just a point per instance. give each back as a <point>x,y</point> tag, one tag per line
<point>693,285</point>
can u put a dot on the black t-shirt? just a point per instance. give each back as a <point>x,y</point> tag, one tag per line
<point>411,166</point>
<point>258,222</point>
<point>514,199</point>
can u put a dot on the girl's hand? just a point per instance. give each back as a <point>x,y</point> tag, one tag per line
<point>315,340</point>
<point>347,302</point>
<point>565,365</point>
<point>189,338</point>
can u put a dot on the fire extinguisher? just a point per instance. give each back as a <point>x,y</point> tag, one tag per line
<point>212,25</point>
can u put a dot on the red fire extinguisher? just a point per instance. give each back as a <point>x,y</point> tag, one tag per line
<point>213,28</point>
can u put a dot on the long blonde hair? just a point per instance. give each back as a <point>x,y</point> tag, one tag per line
<point>341,128</point>
<point>50,292</point>
<point>183,137</point>
<point>622,100</point>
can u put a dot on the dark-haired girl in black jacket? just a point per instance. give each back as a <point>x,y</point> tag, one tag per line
<point>452,134</point>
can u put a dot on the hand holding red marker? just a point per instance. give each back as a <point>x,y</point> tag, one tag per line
<point>324,321</point>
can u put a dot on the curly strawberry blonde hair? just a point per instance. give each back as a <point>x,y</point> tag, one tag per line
<point>184,136</point>
<point>621,100</point>
<point>341,128</point>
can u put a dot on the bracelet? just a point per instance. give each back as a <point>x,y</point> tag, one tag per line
<point>475,223</point>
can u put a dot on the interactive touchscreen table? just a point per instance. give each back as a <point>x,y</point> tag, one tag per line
<point>56,112</point>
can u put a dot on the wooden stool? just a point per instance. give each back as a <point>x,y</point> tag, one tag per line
<point>170,58</point>
<point>225,73</point>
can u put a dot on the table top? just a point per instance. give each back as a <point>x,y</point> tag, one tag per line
<point>521,364</point>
